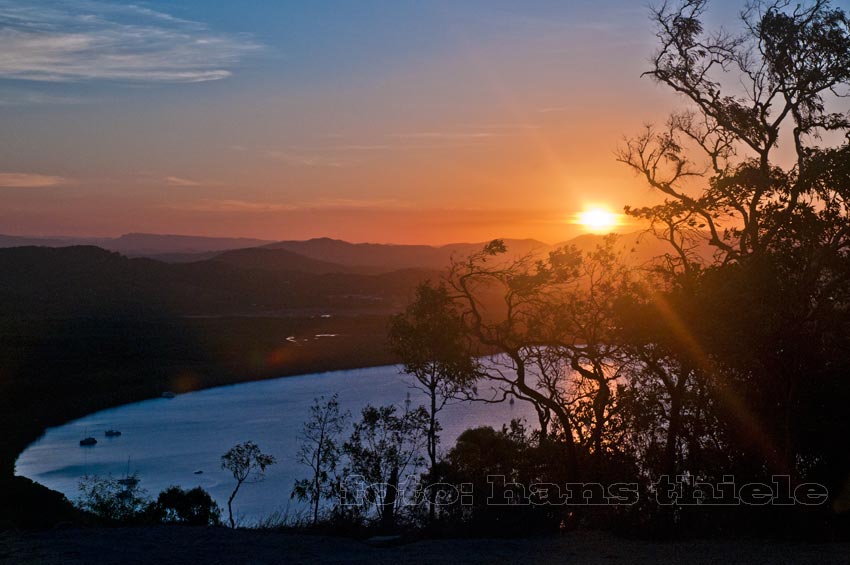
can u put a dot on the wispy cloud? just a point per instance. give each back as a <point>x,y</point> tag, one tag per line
<point>179,181</point>
<point>466,133</point>
<point>337,154</point>
<point>92,40</point>
<point>358,203</point>
<point>15,97</point>
<point>29,180</point>
<point>507,127</point>
<point>246,206</point>
<point>304,159</point>
<point>446,135</point>
<point>361,147</point>
<point>231,206</point>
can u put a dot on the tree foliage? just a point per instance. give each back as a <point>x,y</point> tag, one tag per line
<point>193,507</point>
<point>112,500</point>
<point>320,450</point>
<point>430,339</point>
<point>728,354</point>
<point>245,462</point>
<point>384,452</point>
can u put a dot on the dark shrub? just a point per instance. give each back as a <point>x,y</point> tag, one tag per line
<point>193,507</point>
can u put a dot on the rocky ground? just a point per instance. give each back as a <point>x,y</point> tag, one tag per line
<point>220,545</point>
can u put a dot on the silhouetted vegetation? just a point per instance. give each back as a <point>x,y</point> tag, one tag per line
<point>245,462</point>
<point>383,454</point>
<point>729,366</point>
<point>105,500</point>
<point>320,450</point>
<point>113,501</point>
<point>703,367</point>
<point>193,507</point>
<point>429,339</point>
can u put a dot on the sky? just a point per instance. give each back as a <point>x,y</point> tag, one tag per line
<point>386,121</point>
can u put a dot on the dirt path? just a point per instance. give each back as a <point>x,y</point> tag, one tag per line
<point>163,545</point>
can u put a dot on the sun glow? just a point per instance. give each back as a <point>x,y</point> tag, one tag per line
<point>598,219</point>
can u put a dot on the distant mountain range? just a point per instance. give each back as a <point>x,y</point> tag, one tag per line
<point>140,244</point>
<point>143,274</point>
<point>387,257</point>
<point>322,255</point>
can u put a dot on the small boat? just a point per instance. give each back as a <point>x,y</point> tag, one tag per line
<point>88,441</point>
<point>199,472</point>
<point>112,433</point>
<point>168,394</point>
<point>129,481</point>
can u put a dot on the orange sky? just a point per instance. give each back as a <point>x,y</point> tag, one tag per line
<point>505,127</point>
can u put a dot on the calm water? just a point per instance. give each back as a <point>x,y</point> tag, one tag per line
<point>167,441</point>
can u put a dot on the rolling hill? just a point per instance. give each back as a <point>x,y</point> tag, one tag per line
<point>387,257</point>
<point>88,281</point>
<point>280,260</point>
<point>140,244</point>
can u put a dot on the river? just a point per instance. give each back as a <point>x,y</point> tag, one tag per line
<point>167,441</point>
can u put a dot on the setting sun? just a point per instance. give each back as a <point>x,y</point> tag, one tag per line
<point>598,219</point>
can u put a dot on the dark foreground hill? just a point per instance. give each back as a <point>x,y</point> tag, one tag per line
<point>92,282</point>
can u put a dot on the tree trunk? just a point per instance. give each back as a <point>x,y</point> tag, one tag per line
<point>563,418</point>
<point>316,485</point>
<point>316,503</point>
<point>432,451</point>
<point>603,395</point>
<point>543,417</point>
<point>673,432</point>
<point>230,504</point>
<point>388,514</point>
<point>674,424</point>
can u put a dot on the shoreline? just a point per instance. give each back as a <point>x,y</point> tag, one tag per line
<point>206,354</point>
<point>316,373</point>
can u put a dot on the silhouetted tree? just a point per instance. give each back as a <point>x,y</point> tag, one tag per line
<point>112,500</point>
<point>746,91</point>
<point>384,450</point>
<point>501,301</point>
<point>320,450</point>
<point>245,462</point>
<point>553,320</point>
<point>193,507</point>
<point>755,331</point>
<point>430,340</point>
